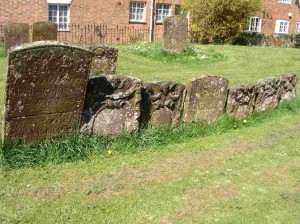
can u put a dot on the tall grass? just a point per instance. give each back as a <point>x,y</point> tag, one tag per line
<point>82,147</point>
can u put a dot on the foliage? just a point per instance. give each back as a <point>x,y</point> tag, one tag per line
<point>191,55</point>
<point>220,20</point>
<point>297,40</point>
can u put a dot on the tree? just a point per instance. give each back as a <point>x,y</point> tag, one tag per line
<point>220,20</point>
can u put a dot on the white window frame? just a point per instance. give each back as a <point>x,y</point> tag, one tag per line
<point>59,6</point>
<point>285,1</point>
<point>162,11</point>
<point>255,23</point>
<point>137,12</point>
<point>298,28</point>
<point>282,26</point>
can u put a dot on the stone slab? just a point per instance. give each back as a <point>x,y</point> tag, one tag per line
<point>288,86</point>
<point>162,104</point>
<point>42,31</point>
<point>206,99</point>
<point>45,89</point>
<point>16,34</point>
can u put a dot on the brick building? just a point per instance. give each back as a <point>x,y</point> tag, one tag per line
<point>277,17</point>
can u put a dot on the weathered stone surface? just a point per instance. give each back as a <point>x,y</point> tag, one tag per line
<point>288,84</point>
<point>112,105</point>
<point>161,104</point>
<point>105,60</point>
<point>206,99</point>
<point>45,88</point>
<point>16,34</point>
<point>267,94</point>
<point>241,101</point>
<point>175,37</point>
<point>44,31</point>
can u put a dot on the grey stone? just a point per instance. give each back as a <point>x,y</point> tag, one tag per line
<point>175,36</point>
<point>162,104</point>
<point>44,31</point>
<point>288,84</point>
<point>16,34</point>
<point>268,94</point>
<point>241,101</point>
<point>112,105</point>
<point>206,99</point>
<point>45,88</point>
<point>105,60</point>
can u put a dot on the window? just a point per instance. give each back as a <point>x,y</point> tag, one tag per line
<point>137,12</point>
<point>162,11</point>
<point>59,14</point>
<point>255,24</point>
<point>282,26</point>
<point>298,28</point>
<point>285,1</point>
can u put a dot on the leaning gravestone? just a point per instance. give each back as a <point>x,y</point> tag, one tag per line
<point>175,36</point>
<point>45,88</point>
<point>162,104</point>
<point>44,31</point>
<point>206,99</point>
<point>16,34</point>
<point>241,101</point>
<point>105,60</point>
<point>288,83</point>
<point>112,105</point>
<point>268,94</point>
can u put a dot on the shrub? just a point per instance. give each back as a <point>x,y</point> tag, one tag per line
<point>297,40</point>
<point>249,39</point>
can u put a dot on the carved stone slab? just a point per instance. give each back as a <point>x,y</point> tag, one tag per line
<point>206,99</point>
<point>105,60</point>
<point>241,101</point>
<point>162,104</point>
<point>16,34</point>
<point>44,31</point>
<point>288,84</point>
<point>175,36</point>
<point>267,94</point>
<point>112,105</point>
<point>45,88</point>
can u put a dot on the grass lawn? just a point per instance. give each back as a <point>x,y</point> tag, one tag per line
<point>245,175</point>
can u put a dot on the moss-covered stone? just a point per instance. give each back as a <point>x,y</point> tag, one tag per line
<point>44,31</point>
<point>16,34</point>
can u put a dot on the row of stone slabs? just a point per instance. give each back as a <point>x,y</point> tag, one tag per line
<point>48,89</point>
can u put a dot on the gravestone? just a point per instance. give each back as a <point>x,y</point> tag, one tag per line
<point>175,36</point>
<point>112,105</point>
<point>16,34</point>
<point>105,60</point>
<point>288,84</point>
<point>44,31</point>
<point>267,94</point>
<point>206,99</point>
<point>241,101</point>
<point>45,88</point>
<point>161,104</point>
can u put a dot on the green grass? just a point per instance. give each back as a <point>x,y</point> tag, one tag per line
<point>229,172</point>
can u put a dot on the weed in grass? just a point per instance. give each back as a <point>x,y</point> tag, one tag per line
<point>82,147</point>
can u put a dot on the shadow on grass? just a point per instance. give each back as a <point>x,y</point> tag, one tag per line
<point>77,147</point>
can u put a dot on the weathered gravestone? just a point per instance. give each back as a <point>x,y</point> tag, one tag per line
<point>288,83</point>
<point>268,94</point>
<point>45,88</point>
<point>105,60</point>
<point>241,101</point>
<point>44,31</point>
<point>161,104</point>
<point>175,36</point>
<point>112,105</point>
<point>206,99</point>
<point>16,34</point>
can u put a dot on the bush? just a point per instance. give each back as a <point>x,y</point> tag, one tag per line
<point>297,40</point>
<point>249,39</point>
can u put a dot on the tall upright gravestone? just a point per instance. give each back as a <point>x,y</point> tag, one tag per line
<point>16,34</point>
<point>175,37</point>
<point>44,31</point>
<point>206,99</point>
<point>45,88</point>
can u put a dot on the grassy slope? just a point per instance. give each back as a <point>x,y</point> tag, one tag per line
<point>249,175</point>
